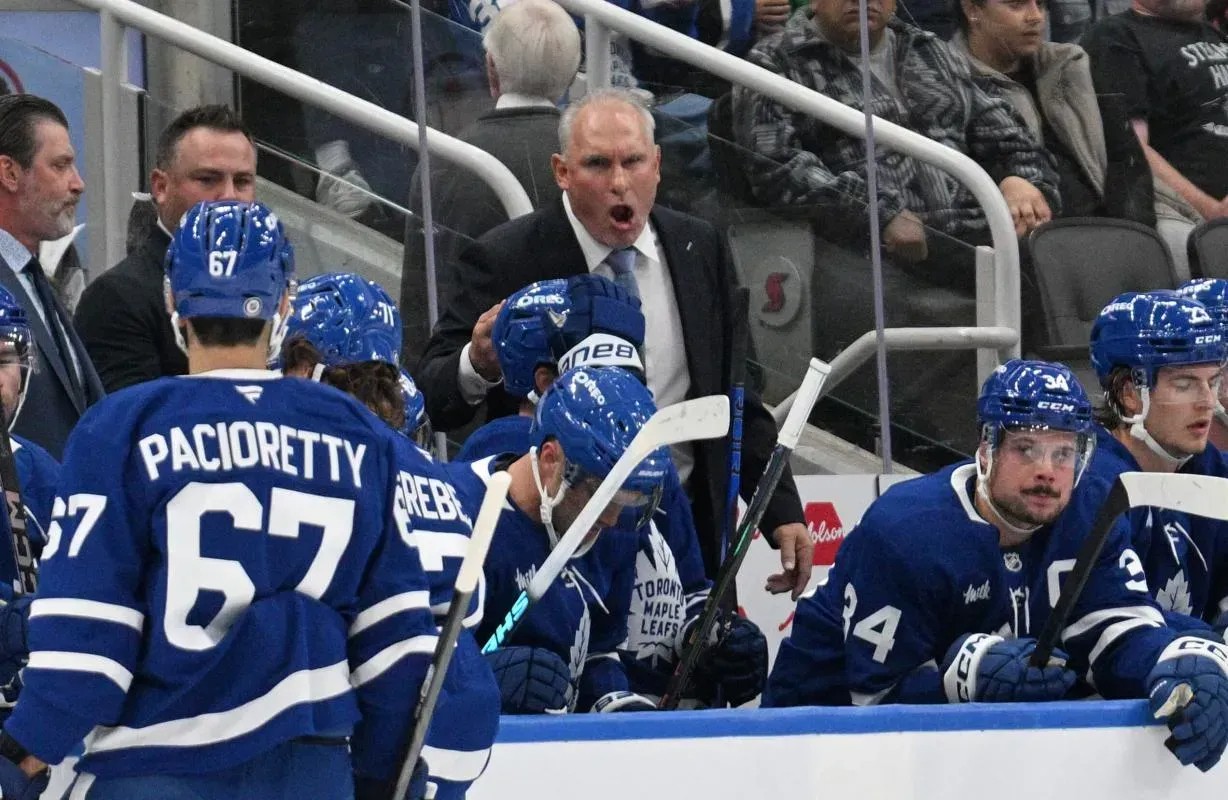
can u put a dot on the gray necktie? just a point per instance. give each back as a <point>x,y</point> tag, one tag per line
<point>622,262</point>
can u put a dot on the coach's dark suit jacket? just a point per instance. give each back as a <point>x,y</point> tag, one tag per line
<point>52,408</point>
<point>542,245</point>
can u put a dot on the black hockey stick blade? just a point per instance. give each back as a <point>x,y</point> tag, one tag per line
<point>1198,495</point>
<point>786,440</point>
<point>466,584</point>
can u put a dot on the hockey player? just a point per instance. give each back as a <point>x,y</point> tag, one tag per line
<point>352,327</point>
<point>1160,358</point>
<point>564,657</point>
<point>588,319</point>
<point>1213,293</point>
<point>936,594</point>
<point>227,605</point>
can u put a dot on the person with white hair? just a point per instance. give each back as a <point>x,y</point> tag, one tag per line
<point>532,56</point>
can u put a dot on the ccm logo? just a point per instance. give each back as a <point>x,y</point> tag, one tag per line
<point>1212,339</point>
<point>1052,405</point>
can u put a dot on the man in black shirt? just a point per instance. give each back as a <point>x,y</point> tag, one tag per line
<point>1171,68</point>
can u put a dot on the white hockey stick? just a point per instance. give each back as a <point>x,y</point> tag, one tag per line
<point>466,584</point>
<point>701,418</point>
<point>1198,495</point>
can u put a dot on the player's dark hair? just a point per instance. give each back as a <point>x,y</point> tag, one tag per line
<point>375,384</point>
<point>1108,410</point>
<point>227,331</point>
<point>214,117</point>
<point>19,115</point>
<point>961,19</point>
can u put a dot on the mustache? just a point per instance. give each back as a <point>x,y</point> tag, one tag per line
<point>1042,491</point>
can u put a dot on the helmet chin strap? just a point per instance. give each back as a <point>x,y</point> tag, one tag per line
<point>278,335</point>
<point>21,400</point>
<point>1013,528</point>
<point>179,340</point>
<point>1139,431</point>
<point>547,502</point>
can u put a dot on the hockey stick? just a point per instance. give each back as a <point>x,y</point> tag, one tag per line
<point>701,418</point>
<point>786,440</point>
<point>25,579</point>
<point>737,399</point>
<point>1197,495</point>
<point>466,584</point>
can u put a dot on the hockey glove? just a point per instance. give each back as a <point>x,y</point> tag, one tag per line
<point>984,668</point>
<point>14,651</point>
<point>622,701</point>
<point>737,663</point>
<point>15,785</point>
<point>532,680</point>
<point>1188,687</point>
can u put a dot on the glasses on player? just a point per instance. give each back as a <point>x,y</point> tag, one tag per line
<point>639,505</point>
<point>1028,452</point>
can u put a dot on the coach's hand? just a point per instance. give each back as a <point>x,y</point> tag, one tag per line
<point>482,349</point>
<point>796,559</point>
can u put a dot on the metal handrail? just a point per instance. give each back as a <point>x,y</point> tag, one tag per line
<point>117,13</point>
<point>601,15</point>
<point>861,350</point>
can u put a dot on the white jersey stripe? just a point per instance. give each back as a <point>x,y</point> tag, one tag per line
<point>379,663</point>
<point>406,601</point>
<point>82,662</point>
<point>88,609</point>
<point>456,765</point>
<point>304,686</point>
<point>1089,621</point>
<point>1111,633</point>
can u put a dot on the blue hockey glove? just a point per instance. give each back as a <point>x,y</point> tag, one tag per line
<point>15,785</point>
<point>14,651</point>
<point>737,663</point>
<point>612,702</point>
<point>1188,687</point>
<point>532,680</point>
<point>984,668</point>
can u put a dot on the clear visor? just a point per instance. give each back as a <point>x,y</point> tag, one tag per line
<point>643,505</point>
<point>1196,385</point>
<point>1044,448</point>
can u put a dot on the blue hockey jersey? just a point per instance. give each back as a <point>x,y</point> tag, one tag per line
<point>39,474</point>
<point>583,616</point>
<point>437,525</point>
<point>1185,558</point>
<point>923,568</point>
<point>223,573</point>
<point>670,584</point>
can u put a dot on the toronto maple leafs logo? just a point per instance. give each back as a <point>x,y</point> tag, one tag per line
<point>657,603</point>
<point>1175,596</point>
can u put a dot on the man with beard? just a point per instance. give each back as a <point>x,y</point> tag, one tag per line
<point>39,191</point>
<point>1160,359</point>
<point>961,568</point>
<point>1171,67</point>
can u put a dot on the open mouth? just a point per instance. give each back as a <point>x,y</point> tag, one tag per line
<point>622,214</point>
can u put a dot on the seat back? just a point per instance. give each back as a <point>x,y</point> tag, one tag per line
<point>1208,249</point>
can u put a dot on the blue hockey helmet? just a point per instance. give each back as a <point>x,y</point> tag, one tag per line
<point>15,341</point>
<point>348,319</point>
<point>1036,395</point>
<point>594,413</point>
<point>585,319</point>
<point>417,424</point>
<point>1212,293</point>
<point>1148,330</point>
<point>229,259</point>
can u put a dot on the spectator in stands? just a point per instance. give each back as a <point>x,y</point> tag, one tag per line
<point>1169,63</point>
<point>1050,86</point>
<point>39,191</point>
<point>206,153</point>
<point>532,55</point>
<point>920,85</point>
<point>1217,15</point>
<point>679,266</point>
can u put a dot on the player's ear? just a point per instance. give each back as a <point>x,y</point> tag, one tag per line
<point>1129,398</point>
<point>543,376</point>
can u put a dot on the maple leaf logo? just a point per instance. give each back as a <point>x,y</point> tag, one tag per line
<point>1175,596</point>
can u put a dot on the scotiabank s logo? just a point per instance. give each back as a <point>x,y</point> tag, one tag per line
<point>826,531</point>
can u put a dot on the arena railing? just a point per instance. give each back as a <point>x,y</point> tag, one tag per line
<point>116,14</point>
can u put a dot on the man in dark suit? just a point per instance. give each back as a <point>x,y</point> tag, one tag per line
<point>532,54</point>
<point>679,267</point>
<point>39,191</point>
<point>206,153</point>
